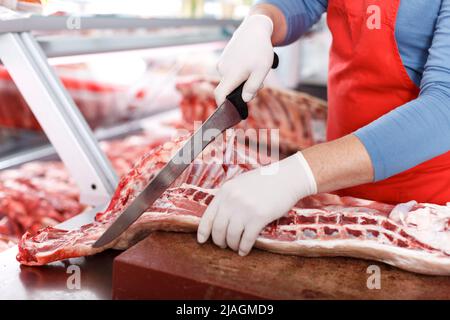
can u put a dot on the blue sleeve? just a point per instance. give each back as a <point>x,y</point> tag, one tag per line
<point>300,15</point>
<point>419,130</point>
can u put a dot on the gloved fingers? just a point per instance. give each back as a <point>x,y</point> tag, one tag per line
<point>234,233</point>
<point>249,236</point>
<point>219,229</point>
<point>253,84</point>
<point>206,223</point>
<point>227,84</point>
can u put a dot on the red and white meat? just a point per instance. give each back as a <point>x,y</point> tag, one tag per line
<point>411,236</point>
<point>414,237</point>
<point>41,194</point>
<point>100,103</point>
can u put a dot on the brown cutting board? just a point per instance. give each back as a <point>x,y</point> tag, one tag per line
<point>175,266</point>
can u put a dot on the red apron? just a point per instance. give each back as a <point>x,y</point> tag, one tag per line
<point>366,80</point>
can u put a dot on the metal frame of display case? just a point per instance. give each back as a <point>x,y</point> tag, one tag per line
<point>25,57</point>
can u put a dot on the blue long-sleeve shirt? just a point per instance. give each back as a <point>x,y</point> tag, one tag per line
<point>419,130</point>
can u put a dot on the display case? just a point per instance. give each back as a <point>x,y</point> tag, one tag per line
<point>63,90</point>
<point>114,78</point>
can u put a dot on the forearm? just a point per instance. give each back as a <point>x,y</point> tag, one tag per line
<point>396,142</point>
<point>291,19</point>
<point>409,135</point>
<point>420,129</point>
<point>339,164</point>
<point>278,19</point>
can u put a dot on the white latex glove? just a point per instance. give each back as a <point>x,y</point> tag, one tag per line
<point>248,56</point>
<point>246,204</point>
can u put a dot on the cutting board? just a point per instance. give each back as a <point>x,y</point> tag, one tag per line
<point>174,266</point>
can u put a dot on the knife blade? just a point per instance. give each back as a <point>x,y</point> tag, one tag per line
<point>227,115</point>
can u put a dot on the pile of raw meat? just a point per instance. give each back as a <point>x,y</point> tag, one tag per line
<point>34,196</point>
<point>411,236</point>
<point>40,194</point>
<point>300,118</point>
<point>101,104</point>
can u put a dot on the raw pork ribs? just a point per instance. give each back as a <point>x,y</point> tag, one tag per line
<point>300,118</point>
<point>411,236</point>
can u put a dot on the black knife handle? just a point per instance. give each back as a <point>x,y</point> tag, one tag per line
<point>235,97</point>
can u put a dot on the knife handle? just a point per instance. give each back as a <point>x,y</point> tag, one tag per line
<point>235,97</point>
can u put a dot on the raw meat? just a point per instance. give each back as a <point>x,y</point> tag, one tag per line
<point>34,197</point>
<point>221,164</point>
<point>414,237</point>
<point>123,153</point>
<point>101,104</point>
<point>300,118</point>
<point>41,194</point>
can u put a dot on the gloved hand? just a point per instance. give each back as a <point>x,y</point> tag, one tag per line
<point>248,56</point>
<point>246,204</point>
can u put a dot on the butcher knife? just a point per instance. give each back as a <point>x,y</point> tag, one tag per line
<point>227,115</point>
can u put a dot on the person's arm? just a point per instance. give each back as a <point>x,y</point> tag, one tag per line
<point>247,203</point>
<point>419,130</point>
<point>291,18</point>
<point>409,135</point>
<point>339,164</point>
<point>249,54</point>
<point>275,14</point>
<point>401,139</point>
